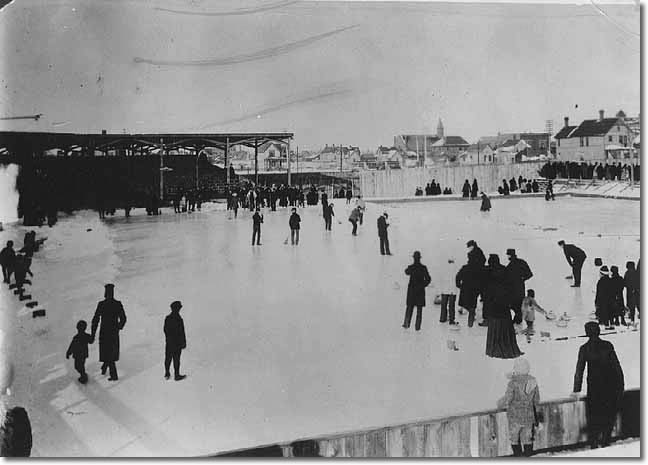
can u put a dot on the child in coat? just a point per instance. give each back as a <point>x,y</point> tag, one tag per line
<point>529,306</point>
<point>521,403</point>
<point>79,350</point>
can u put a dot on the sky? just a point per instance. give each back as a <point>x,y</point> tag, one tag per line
<point>353,73</point>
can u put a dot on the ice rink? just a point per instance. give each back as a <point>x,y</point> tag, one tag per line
<point>290,342</point>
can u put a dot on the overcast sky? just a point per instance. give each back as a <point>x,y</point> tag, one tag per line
<point>350,73</point>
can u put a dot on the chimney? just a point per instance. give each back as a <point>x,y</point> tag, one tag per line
<point>601,115</point>
<point>566,121</point>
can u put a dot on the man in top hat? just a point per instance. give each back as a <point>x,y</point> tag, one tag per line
<point>110,313</point>
<point>383,235</point>
<point>519,272</point>
<point>604,300</point>
<point>575,257</point>
<point>174,333</point>
<point>419,280</point>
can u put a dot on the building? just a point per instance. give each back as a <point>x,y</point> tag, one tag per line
<point>272,156</point>
<point>595,139</point>
<point>430,148</point>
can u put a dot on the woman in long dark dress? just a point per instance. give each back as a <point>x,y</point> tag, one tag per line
<point>501,341</point>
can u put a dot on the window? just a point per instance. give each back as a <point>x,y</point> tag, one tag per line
<point>609,138</point>
<point>558,142</point>
<point>581,142</point>
<point>587,141</point>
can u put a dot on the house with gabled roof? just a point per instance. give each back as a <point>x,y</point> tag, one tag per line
<point>595,139</point>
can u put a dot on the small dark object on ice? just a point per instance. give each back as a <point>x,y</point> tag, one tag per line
<point>12,286</point>
<point>40,312</point>
<point>89,229</point>
<point>32,304</point>
<point>452,345</point>
<point>562,338</point>
<point>545,334</point>
<point>598,235</point>
<point>550,229</point>
<point>17,291</point>
<point>25,297</point>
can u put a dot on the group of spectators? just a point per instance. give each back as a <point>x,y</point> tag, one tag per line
<point>598,170</point>
<point>432,188</point>
<point>525,186</point>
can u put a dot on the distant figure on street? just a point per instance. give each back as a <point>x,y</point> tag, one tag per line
<point>349,195</point>
<point>176,341</point>
<point>15,427</point>
<point>328,216</point>
<point>79,350</point>
<point>7,261</point>
<point>325,202</point>
<point>485,204</point>
<point>383,234</point>
<point>419,280</point>
<point>353,219</point>
<point>110,313</point>
<point>575,257</point>
<point>605,385</point>
<point>521,401</point>
<point>257,219</point>
<point>549,193</point>
<point>360,203</point>
<point>294,222</point>
<point>465,190</point>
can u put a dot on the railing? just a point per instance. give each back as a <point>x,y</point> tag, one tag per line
<point>480,434</point>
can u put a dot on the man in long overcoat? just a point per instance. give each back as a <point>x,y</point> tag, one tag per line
<point>383,235</point>
<point>604,384</point>
<point>176,341</point>
<point>110,313</point>
<point>519,272</point>
<point>419,280</point>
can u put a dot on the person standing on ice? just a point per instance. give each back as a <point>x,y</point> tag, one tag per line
<point>474,189</point>
<point>501,341</point>
<point>632,284</point>
<point>519,272</point>
<point>349,195</point>
<point>294,223</point>
<point>353,219</point>
<point>486,203</point>
<point>110,313</point>
<point>78,349</point>
<point>176,341</point>
<point>324,202</point>
<point>618,308</point>
<point>7,261</point>
<point>604,299</point>
<point>469,281</point>
<point>605,385</point>
<point>328,216</point>
<point>475,253</point>
<point>575,257</point>
<point>257,219</point>
<point>465,190</point>
<point>521,401</point>
<point>419,280</point>
<point>448,292</point>
<point>383,235</point>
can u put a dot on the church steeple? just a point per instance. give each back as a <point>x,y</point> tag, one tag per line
<point>440,129</point>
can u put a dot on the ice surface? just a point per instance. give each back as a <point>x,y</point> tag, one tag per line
<point>290,342</point>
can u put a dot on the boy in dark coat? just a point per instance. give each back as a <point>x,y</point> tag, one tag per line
<point>605,384</point>
<point>110,313</point>
<point>79,350</point>
<point>7,261</point>
<point>176,341</point>
<point>575,257</point>
<point>257,219</point>
<point>419,280</point>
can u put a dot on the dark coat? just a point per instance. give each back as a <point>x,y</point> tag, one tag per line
<point>519,272</point>
<point>294,221</point>
<point>573,253</point>
<point>113,318</point>
<point>477,256</point>
<point>604,300</point>
<point>419,280</point>
<point>328,211</point>
<point>631,281</point>
<point>16,434</point>
<point>617,285</point>
<point>382,226</point>
<point>605,382</point>
<point>257,219</point>
<point>174,331</point>
<point>79,346</point>
<point>7,257</point>
<point>465,190</point>
<point>497,293</point>
<point>486,204</point>
<point>468,280</point>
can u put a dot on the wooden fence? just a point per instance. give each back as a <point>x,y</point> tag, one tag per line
<point>482,434</point>
<point>403,182</point>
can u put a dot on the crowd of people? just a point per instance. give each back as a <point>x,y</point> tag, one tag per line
<point>609,171</point>
<point>523,185</point>
<point>432,188</point>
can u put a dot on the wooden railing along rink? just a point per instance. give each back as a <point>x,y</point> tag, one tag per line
<point>482,434</point>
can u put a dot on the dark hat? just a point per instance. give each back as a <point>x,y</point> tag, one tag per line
<point>561,242</point>
<point>471,243</point>
<point>176,305</point>
<point>592,329</point>
<point>510,252</point>
<point>109,286</point>
<point>604,270</point>
<point>416,254</point>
